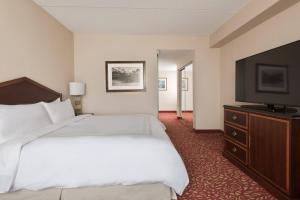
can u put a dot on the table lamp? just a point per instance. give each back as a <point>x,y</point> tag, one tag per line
<point>77,89</point>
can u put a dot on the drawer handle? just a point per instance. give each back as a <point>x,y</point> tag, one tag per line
<point>234,133</point>
<point>234,149</point>
<point>234,117</point>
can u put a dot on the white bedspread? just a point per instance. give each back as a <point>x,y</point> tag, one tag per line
<point>95,151</point>
<point>10,152</point>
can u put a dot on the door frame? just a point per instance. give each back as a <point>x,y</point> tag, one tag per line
<point>194,76</point>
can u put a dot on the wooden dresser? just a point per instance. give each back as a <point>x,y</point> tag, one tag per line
<point>266,146</point>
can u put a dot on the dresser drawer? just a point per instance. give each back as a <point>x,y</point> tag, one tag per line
<point>238,135</point>
<point>237,118</point>
<point>238,152</point>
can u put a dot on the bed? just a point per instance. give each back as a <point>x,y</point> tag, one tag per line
<point>126,157</point>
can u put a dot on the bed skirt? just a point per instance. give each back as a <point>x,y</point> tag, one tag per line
<point>134,192</point>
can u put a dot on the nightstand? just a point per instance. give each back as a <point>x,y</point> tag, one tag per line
<point>85,114</point>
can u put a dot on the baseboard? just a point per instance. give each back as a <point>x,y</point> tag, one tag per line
<point>174,111</point>
<point>209,131</point>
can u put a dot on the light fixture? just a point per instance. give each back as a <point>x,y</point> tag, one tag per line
<point>77,89</point>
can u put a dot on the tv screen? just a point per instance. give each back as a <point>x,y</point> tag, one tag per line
<point>271,77</point>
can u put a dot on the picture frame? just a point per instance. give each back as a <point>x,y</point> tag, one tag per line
<point>184,84</point>
<point>125,76</point>
<point>272,78</point>
<point>163,84</point>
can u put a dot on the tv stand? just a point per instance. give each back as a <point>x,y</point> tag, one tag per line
<point>271,108</point>
<point>266,146</point>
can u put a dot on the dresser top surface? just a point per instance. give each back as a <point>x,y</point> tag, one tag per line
<point>260,110</point>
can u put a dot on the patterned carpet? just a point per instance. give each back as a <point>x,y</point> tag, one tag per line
<point>212,177</point>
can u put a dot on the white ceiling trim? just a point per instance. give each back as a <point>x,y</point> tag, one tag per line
<point>159,17</point>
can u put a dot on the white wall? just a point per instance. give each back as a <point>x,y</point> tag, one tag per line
<point>92,50</point>
<point>35,45</point>
<point>168,99</point>
<point>278,30</point>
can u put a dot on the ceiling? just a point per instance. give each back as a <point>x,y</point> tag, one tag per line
<point>168,60</point>
<point>152,17</point>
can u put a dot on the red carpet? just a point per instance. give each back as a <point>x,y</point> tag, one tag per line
<point>211,175</point>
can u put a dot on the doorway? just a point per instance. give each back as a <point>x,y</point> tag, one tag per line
<point>175,80</point>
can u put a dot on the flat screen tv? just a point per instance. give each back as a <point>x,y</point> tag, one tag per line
<point>271,77</point>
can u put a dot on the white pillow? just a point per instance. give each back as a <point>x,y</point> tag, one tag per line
<point>55,101</point>
<point>4,105</point>
<point>20,120</point>
<point>61,111</point>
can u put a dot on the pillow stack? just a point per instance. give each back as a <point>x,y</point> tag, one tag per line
<point>18,120</point>
<point>61,111</point>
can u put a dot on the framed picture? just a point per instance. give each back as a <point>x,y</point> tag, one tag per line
<point>125,76</point>
<point>272,78</point>
<point>184,84</point>
<point>162,84</point>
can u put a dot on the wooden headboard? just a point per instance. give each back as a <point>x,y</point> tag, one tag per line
<point>25,91</point>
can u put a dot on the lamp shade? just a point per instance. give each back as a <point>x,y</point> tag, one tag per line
<point>76,88</point>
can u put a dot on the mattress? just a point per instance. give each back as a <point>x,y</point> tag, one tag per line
<point>95,151</point>
<point>134,192</point>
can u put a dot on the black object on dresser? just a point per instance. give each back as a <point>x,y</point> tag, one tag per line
<point>266,146</point>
